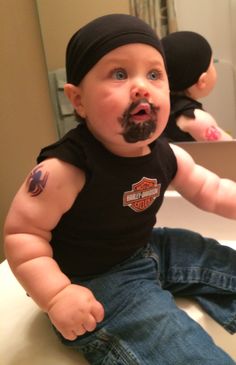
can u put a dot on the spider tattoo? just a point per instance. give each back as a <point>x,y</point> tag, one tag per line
<point>37,182</point>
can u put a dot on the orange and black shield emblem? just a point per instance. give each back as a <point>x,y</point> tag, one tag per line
<point>142,195</point>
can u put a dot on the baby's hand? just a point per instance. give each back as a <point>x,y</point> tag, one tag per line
<point>74,310</point>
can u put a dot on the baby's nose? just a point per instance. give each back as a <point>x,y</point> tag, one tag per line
<point>138,92</point>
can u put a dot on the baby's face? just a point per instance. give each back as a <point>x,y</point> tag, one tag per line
<point>125,97</point>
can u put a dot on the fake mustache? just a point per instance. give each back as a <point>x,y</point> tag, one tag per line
<point>139,131</point>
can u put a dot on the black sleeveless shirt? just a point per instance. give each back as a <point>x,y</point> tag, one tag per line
<point>180,105</point>
<point>116,210</point>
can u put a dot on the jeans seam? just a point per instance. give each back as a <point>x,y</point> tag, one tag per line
<point>117,349</point>
<point>202,275</point>
<point>123,353</point>
<point>150,253</point>
<point>230,326</point>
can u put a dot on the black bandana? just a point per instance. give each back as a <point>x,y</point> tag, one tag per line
<point>188,55</point>
<point>90,43</point>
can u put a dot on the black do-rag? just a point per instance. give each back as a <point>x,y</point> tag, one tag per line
<point>100,36</point>
<point>188,55</point>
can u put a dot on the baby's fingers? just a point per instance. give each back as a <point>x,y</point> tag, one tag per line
<point>89,323</point>
<point>98,311</point>
<point>71,335</point>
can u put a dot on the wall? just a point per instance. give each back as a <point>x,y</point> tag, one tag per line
<point>26,113</point>
<point>233,33</point>
<point>59,19</point>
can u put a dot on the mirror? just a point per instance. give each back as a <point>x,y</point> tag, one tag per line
<point>214,19</point>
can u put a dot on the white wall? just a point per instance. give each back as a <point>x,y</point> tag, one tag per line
<point>215,20</point>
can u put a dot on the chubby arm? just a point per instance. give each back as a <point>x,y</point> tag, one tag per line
<point>203,127</point>
<point>47,193</point>
<point>202,187</point>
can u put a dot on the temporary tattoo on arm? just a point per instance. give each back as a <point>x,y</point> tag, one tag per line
<point>37,181</point>
<point>212,134</point>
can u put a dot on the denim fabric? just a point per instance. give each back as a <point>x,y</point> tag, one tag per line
<point>143,325</point>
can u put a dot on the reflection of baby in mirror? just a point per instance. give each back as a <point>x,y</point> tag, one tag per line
<point>192,75</point>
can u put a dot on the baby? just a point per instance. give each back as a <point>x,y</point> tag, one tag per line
<point>192,76</point>
<point>80,233</point>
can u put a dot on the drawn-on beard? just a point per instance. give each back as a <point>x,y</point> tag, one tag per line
<point>135,131</point>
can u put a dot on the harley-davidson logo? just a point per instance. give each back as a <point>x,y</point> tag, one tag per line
<point>142,195</point>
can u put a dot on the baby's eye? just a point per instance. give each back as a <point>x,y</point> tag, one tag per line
<point>119,74</point>
<point>154,75</point>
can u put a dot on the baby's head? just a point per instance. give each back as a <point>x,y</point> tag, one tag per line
<point>117,81</point>
<point>102,35</point>
<point>188,56</point>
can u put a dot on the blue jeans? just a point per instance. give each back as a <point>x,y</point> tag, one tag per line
<point>143,325</point>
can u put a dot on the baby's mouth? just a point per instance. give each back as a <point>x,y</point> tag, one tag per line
<point>139,121</point>
<point>141,113</point>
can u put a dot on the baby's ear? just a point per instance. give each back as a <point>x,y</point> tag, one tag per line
<point>201,83</point>
<point>73,93</point>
